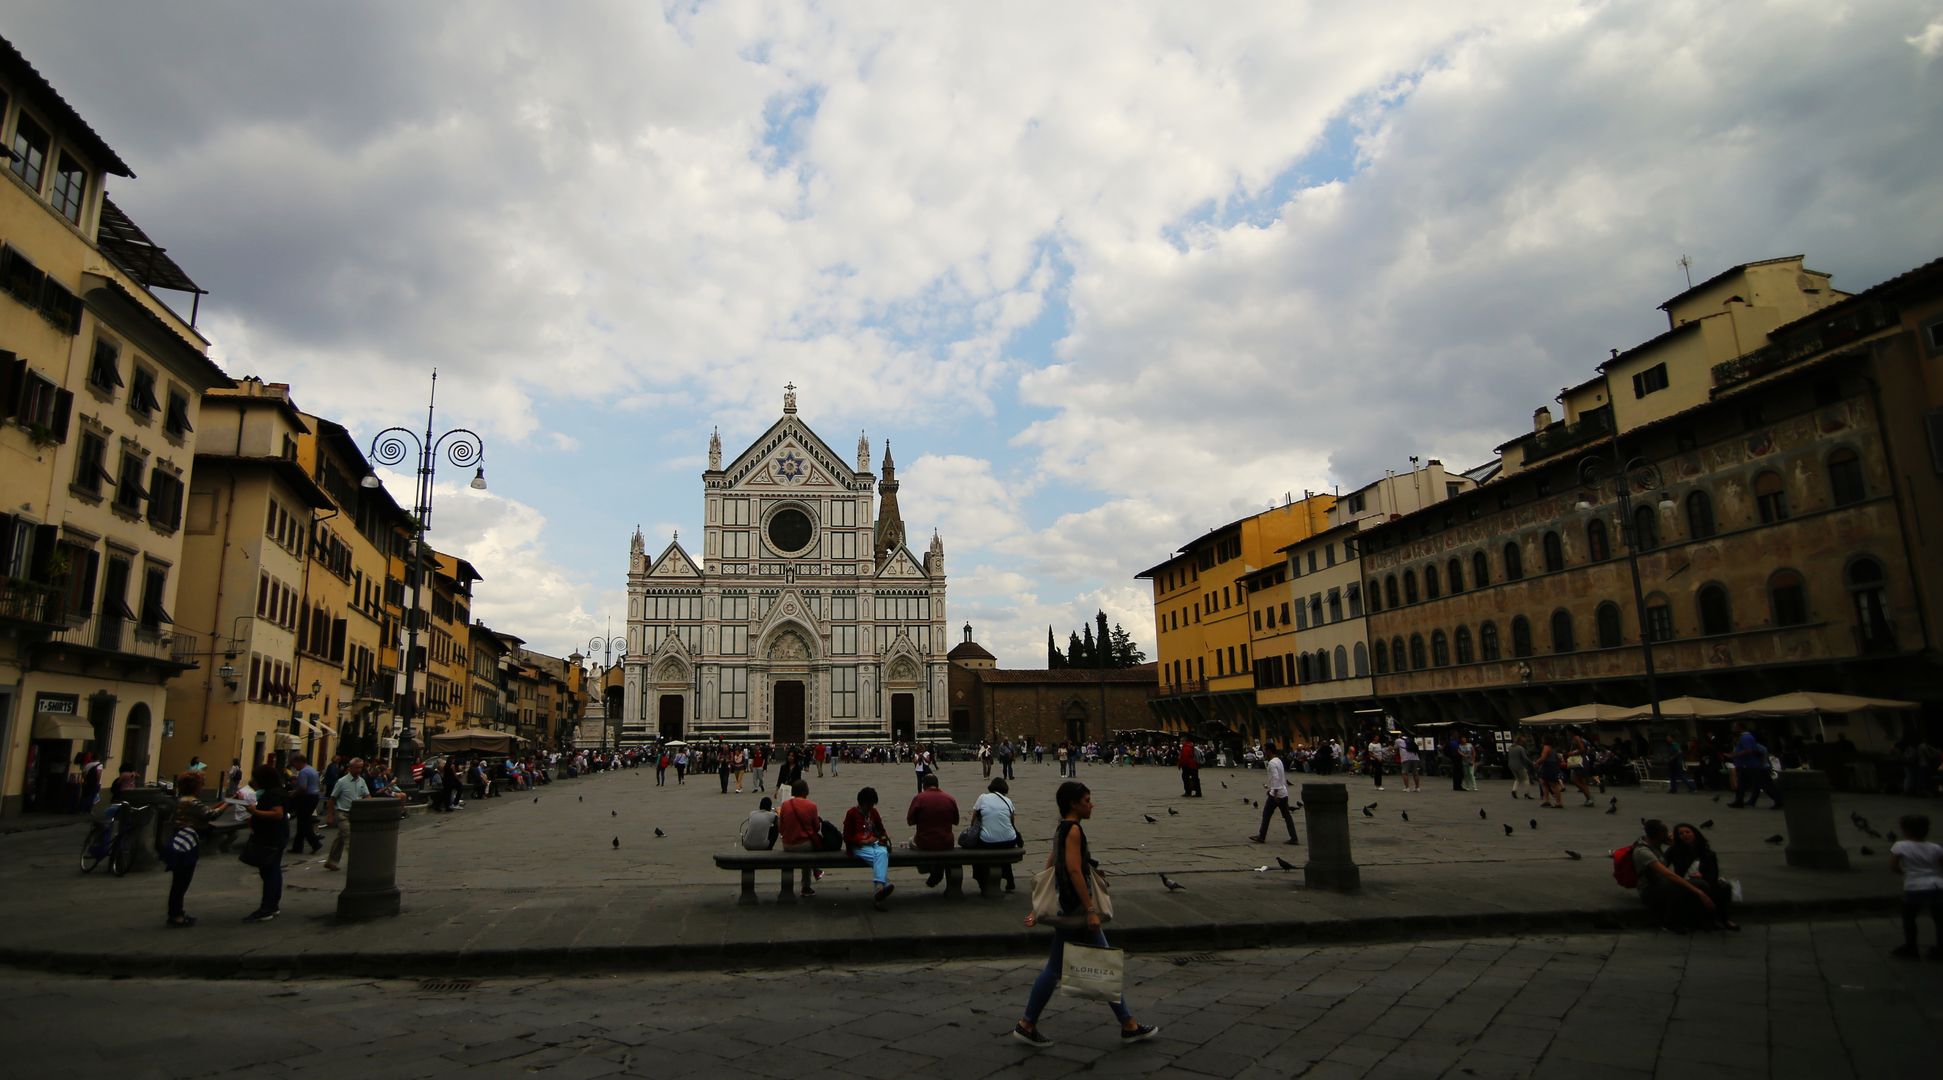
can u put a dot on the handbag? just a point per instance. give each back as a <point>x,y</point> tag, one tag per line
<point>1090,971</point>
<point>1045,899</point>
<point>968,836</point>
<point>259,854</point>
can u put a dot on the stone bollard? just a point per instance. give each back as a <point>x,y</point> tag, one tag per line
<point>1811,821</point>
<point>371,871</point>
<point>1325,809</point>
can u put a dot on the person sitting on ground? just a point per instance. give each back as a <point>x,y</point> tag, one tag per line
<point>1674,902</point>
<point>799,826</point>
<point>865,836</point>
<point>934,815</point>
<point>760,830</point>
<point>1694,859</point>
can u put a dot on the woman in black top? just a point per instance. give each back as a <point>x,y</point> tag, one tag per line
<point>267,838</point>
<point>1692,857</point>
<point>1071,859</point>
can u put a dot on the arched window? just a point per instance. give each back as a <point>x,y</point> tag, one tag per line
<point>1304,670</point>
<point>1487,641</point>
<point>1845,477</point>
<point>1554,552</point>
<point>1376,596</point>
<point>1770,497</point>
<point>1787,598</point>
<point>1659,618</point>
<point>1362,660</point>
<point>1454,572</point>
<point>1416,652</point>
<point>1342,663</point>
<point>1480,571</point>
<point>1871,603</point>
<point>1715,616</point>
<point>1409,586</point>
<point>1382,658</point>
<point>1396,653</point>
<point>1646,527</point>
<point>1440,649</point>
<point>1322,665</point>
<point>1514,562</point>
<point>1355,591</point>
<point>1562,631</point>
<point>1606,618</point>
<point>1390,591</point>
<point>1464,653</point>
<point>1520,636</point>
<point>1431,590</point>
<point>1700,515</point>
<point>1598,546</point>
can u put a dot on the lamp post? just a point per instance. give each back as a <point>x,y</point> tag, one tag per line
<point>296,714</point>
<point>463,448</point>
<point>606,644</point>
<point>1625,473</point>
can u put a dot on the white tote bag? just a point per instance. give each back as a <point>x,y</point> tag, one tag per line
<point>1090,972</point>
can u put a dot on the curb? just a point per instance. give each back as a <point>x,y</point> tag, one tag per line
<point>583,960</point>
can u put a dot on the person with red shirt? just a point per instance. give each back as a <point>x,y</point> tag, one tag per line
<point>798,826</point>
<point>1190,771</point>
<point>819,754</point>
<point>935,816</point>
<point>864,835</point>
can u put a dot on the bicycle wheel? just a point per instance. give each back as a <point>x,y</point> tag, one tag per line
<point>92,849</point>
<point>122,855</point>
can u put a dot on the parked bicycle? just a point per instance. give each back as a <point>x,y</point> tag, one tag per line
<point>113,838</point>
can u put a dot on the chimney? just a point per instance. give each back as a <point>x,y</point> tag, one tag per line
<point>1541,418</point>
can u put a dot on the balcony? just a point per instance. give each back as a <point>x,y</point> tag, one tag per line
<point>1559,438</point>
<point>1809,340</point>
<point>1189,686</point>
<point>29,602</point>
<point>119,636</point>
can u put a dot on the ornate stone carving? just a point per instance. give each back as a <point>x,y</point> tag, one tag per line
<point>789,646</point>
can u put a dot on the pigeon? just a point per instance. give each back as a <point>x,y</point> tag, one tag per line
<point>1244,800</point>
<point>1707,824</point>
<point>582,798</point>
<point>1507,830</point>
<point>1172,885</point>
<point>617,842</point>
<point>1371,806</point>
<point>1534,823</point>
<point>1615,800</point>
<point>1613,809</point>
<point>1298,806</point>
<point>1224,785</point>
<point>1151,819</point>
<point>1573,855</point>
<point>1171,812</point>
<point>1256,805</point>
<point>1866,850</point>
<point>613,813</point>
<point>1481,815</point>
<point>658,832</point>
<point>1366,812</point>
<point>1777,838</point>
<point>1286,865</point>
<point>1406,815</point>
<point>1261,869</point>
<point>536,798</point>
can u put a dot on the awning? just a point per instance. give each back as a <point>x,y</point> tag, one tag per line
<point>1582,714</point>
<point>1811,703</point>
<point>1692,708</point>
<point>57,726</point>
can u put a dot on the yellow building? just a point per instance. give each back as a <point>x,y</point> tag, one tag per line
<point>243,558</point>
<point>100,385</point>
<point>1201,615</point>
<point>447,642</point>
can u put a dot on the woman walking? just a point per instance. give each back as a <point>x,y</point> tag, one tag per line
<point>1071,859</point>
<point>1551,779</point>
<point>267,837</point>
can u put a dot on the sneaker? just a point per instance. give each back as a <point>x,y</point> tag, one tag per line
<point>260,916</point>
<point>819,875</point>
<point>1030,1038</point>
<point>190,920</point>
<point>1905,952</point>
<point>1257,839</point>
<point>330,866</point>
<point>807,892</point>
<point>1139,1034</point>
<point>1292,840</point>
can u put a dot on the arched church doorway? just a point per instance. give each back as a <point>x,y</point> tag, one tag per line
<point>671,716</point>
<point>1075,717</point>
<point>788,724</point>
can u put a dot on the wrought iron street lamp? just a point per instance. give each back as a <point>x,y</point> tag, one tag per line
<point>1626,474</point>
<point>464,449</point>
<point>606,644</point>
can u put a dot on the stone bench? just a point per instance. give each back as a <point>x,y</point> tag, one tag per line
<point>789,863</point>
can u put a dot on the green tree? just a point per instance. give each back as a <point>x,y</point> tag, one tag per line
<point>1054,658</point>
<point>1075,652</point>
<point>1126,654</point>
<point>1103,655</point>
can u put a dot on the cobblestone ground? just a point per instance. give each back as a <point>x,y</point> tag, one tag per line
<point>1820,1000</point>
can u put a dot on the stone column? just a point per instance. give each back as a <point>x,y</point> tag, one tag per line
<point>371,870</point>
<point>1811,821</point>
<point>1325,808</point>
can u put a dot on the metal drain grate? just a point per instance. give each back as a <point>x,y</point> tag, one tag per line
<point>444,986</point>
<point>1200,958</point>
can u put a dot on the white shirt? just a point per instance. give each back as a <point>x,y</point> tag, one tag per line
<point>995,824</point>
<point>1404,753</point>
<point>1278,779</point>
<point>1922,864</point>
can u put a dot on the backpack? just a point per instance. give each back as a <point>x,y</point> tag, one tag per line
<point>1623,870</point>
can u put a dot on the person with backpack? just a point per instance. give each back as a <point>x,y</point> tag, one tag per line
<point>1676,903</point>
<point>1753,772</point>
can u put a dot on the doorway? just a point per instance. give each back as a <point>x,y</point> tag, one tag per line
<point>788,725</point>
<point>904,718</point>
<point>1076,723</point>
<point>671,716</point>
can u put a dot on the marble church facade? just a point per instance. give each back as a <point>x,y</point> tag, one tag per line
<point>801,616</point>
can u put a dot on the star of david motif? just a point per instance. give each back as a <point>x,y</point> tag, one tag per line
<point>791,468</point>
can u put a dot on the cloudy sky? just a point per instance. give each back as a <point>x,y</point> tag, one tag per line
<point>1105,275</point>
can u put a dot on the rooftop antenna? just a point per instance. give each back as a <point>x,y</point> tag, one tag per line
<point>1686,264</point>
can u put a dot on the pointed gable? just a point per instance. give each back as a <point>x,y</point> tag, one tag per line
<point>789,454</point>
<point>674,563</point>
<point>901,566</point>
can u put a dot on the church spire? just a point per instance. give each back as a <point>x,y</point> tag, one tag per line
<point>890,524</point>
<point>863,452</point>
<point>714,450</point>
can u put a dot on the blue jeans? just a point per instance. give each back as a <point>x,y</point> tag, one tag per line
<point>1676,774</point>
<point>879,858</point>
<point>1048,979</point>
<point>272,875</point>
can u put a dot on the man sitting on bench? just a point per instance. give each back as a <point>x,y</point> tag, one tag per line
<point>799,826</point>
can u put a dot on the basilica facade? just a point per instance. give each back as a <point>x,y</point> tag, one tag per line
<point>801,616</point>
